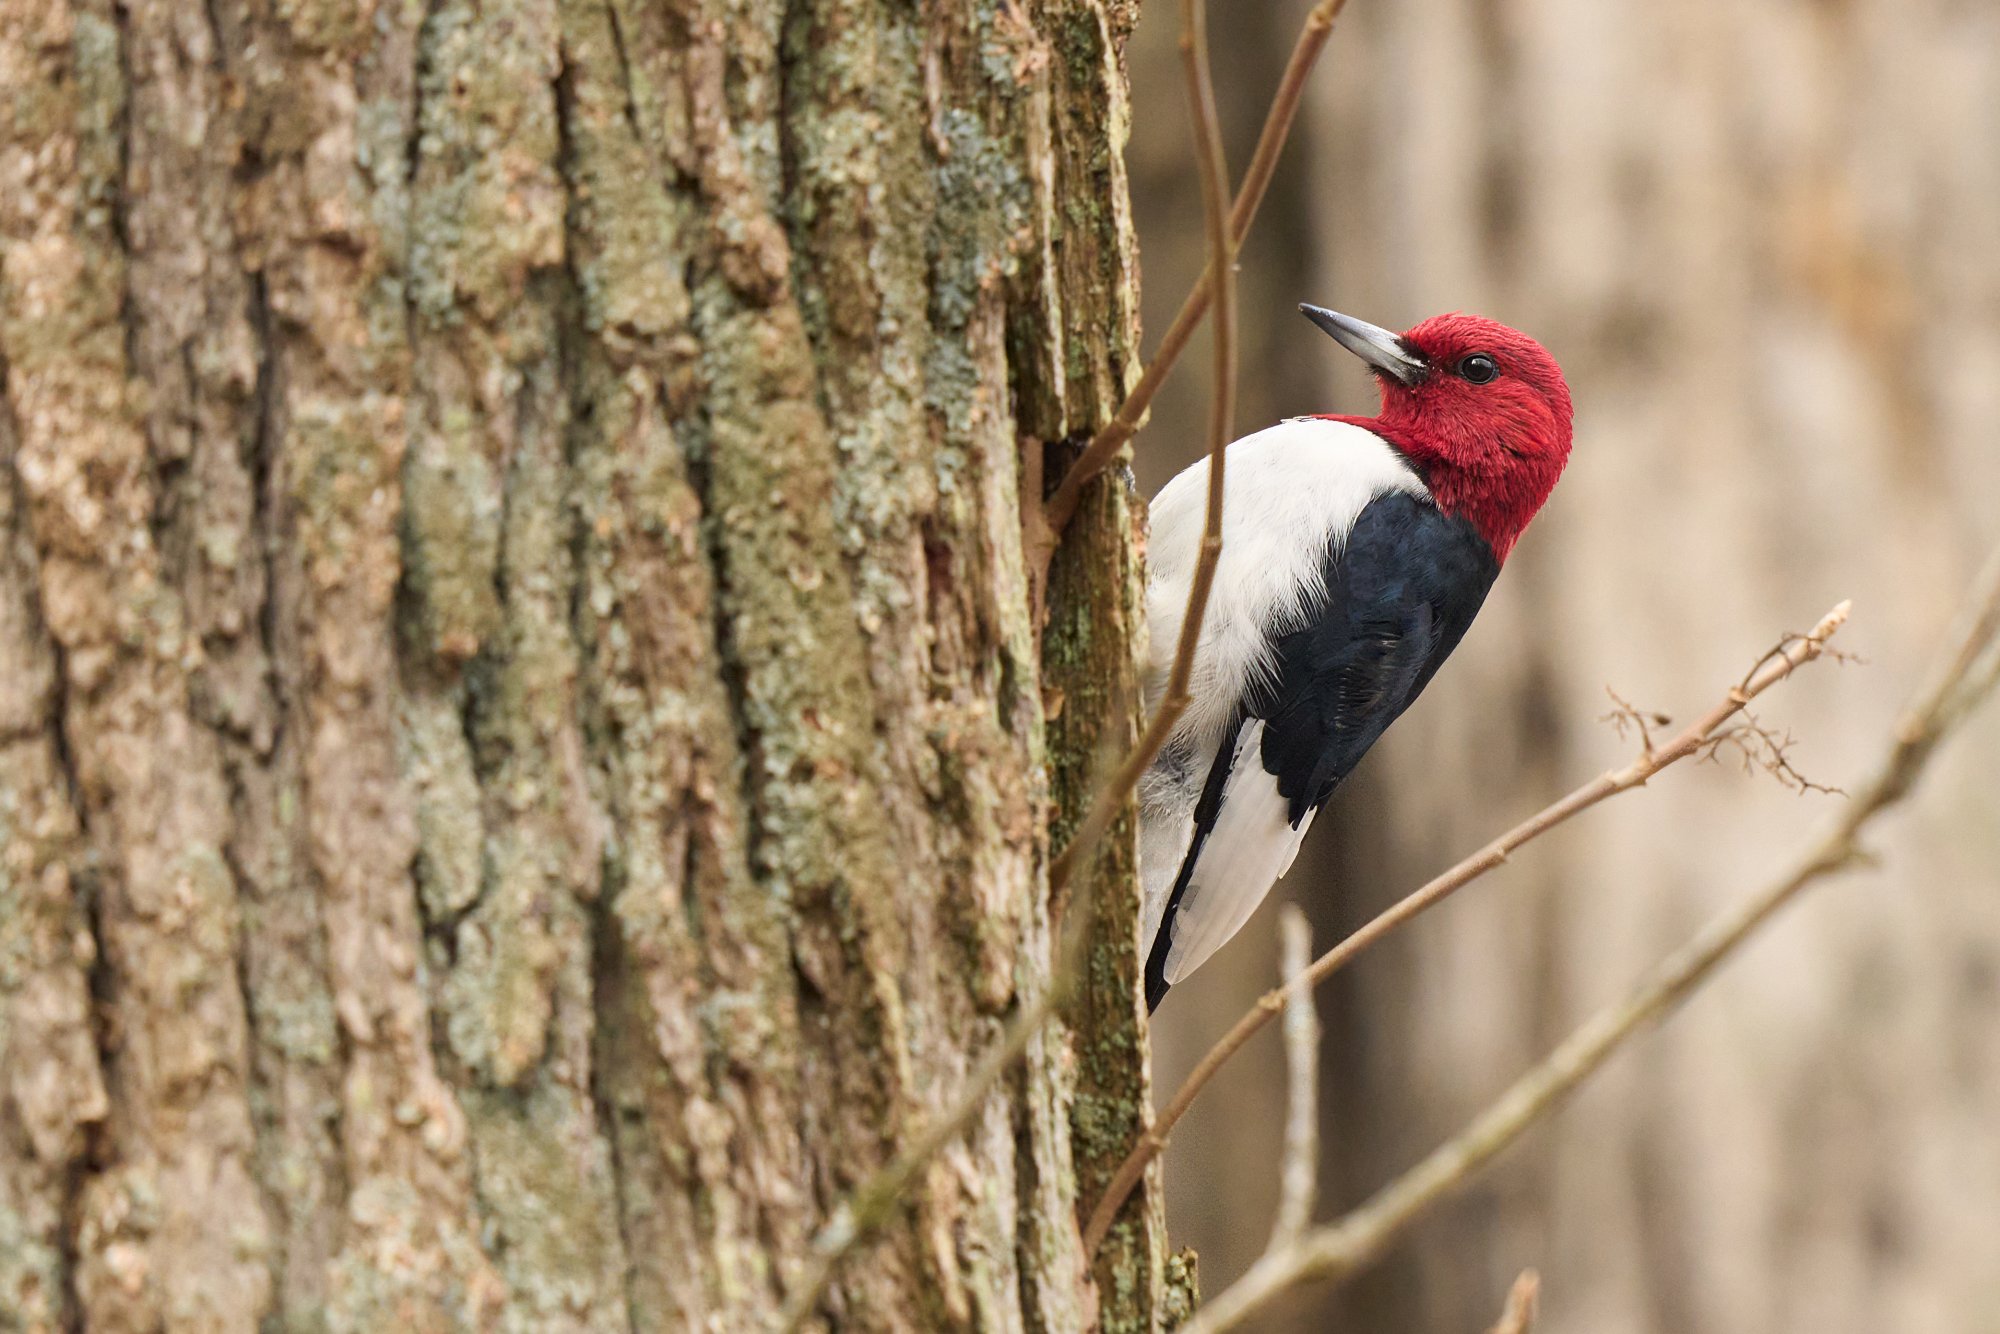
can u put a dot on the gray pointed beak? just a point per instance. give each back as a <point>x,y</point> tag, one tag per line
<point>1383,351</point>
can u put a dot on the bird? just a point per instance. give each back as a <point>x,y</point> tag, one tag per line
<point>1356,552</point>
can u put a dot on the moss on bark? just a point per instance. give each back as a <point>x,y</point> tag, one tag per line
<point>526,759</point>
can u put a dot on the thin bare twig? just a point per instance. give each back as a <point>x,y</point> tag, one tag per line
<point>1298,1179</point>
<point>1222,411</point>
<point>1773,668</point>
<point>1104,446</point>
<point>1629,715</point>
<point>1965,677</point>
<point>1518,1317</point>
<point>1760,747</point>
<point>879,1198</point>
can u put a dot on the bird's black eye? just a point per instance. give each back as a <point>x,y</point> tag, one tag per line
<point>1479,368</point>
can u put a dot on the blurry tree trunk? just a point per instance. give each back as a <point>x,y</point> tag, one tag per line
<point>524,767</point>
<point>1758,237</point>
<point>1746,239</point>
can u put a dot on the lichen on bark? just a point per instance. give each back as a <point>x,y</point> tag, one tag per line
<point>526,766</point>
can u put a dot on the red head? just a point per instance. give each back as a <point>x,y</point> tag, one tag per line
<point>1479,409</point>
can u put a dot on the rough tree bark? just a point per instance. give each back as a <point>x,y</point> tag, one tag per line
<point>527,765</point>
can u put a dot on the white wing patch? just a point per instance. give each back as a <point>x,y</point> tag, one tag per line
<point>1250,847</point>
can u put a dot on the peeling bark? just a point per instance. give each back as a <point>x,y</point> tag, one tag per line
<point>526,760</point>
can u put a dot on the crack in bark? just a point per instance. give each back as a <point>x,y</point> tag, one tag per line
<point>263,446</point>
<point>607,973</point>
<point>95,1156</point>
<point>617,21</point>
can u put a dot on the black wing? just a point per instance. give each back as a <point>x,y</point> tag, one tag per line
<point>1399,595</point>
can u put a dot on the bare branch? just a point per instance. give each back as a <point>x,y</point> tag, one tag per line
<point>1773,667</point>
<point>1757,746</point>
<point>1965,677</point>
<point>1104,446</point>
<point>1519,1315</point>
<point>880,1197</point>
<point>1222,411</point>
<point>1298,1180</point>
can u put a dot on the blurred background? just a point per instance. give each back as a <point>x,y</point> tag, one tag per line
<point>1763,239</point>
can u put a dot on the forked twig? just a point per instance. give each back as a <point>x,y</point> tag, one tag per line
<point>1760,747</point>
<point>1964,677</point>
<point>1773,668</point>
<point>1104,446</point>
<point>1626,714</point>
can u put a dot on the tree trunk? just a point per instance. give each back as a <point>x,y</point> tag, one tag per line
<point>527,760</point>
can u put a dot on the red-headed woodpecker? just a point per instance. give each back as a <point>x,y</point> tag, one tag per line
<point>1356,551</point>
